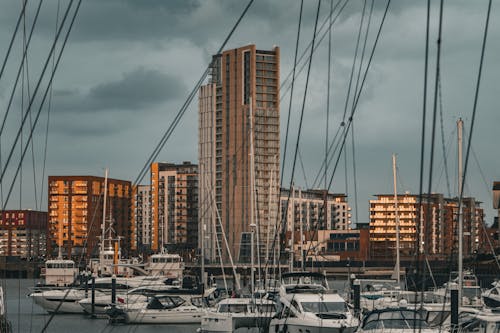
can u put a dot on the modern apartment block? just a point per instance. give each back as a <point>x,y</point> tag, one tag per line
<point>23,233</point>
<point>141,238</point>
<point>76,213</point>
<point>239,149</point>
<point>307,212</point>
<point>314,210</point>
<point>433,230</point>
<point>174,206</point>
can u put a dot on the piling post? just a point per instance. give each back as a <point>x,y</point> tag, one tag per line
<point>454,308</point>
<point>356,286</point>
<point>92,314</point>
<point>113,289</point>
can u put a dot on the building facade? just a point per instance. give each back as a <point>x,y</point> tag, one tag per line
<point>430,229</point>
<point>76,213</point>
<point>23,233</point>
<point>239,150</point>
<point>314,209</point>
<point>142,219</point>
<point>174,206</point>
<point>332,245</point>
<point>309,213</point>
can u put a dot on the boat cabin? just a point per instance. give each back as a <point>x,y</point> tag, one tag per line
<point>59,272</point>
<point>168,265</point>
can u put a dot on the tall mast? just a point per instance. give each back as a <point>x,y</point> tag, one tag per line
<point>292,198</point>
<point>253,219</point>
<point>202,236</point>
<point>105,195</point>
<point>396,215</point>
<point>460,124</point>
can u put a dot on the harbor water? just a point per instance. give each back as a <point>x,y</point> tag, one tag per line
<point>25,316</point>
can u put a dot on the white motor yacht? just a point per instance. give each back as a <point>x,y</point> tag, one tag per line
<point>162,309</point>
<point>471,290</point>
<point>66,300</point>
<point>308,305</point>
<point>396,320</point>
<point>491,297</point>
<point>57,273</point>
<point>61,300</point>
<point>135,295</point>
<point>231,314</point>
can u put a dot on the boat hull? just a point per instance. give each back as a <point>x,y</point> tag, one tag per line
<point>226,323</point>
<point>57,304</point>
<point>491,302</point>
<point>295,325</point>
<point>164,316</point>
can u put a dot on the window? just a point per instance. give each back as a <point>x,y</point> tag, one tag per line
<point>246,77</point>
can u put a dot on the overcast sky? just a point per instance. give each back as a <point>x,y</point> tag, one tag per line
<point>129,66</point>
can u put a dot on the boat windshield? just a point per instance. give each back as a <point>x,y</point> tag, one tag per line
<point>233,308</point>
<point>324,307</point>
<point>60,265</point>
<point>266,308</point>
<point>400,319</point>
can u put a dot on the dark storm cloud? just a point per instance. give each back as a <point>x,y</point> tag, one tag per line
<point>137,90</point>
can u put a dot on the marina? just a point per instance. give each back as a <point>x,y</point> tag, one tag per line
<point>265,212</point>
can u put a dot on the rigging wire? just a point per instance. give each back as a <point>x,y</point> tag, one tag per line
<point>328,92</point>
<point>433,128</point>
<point>49,108</point>
<point>422,140</point>
<point>305,96</point>
<point>291,94</point>
<point>354,62</point>
<point>23,44</point>
<point>354,176</point>
<point>360,89</point>
<point>45,95</point>
<point>418,258</point>
<point>447,149</point>
<point>355,185</point>
<point>307,49</point>
<point>186,104</point>
<point>481,173</point>
<point>4,63</point>
<point>13,91</point>
<point>33,98</point>
<point>476,97</point>
<point>303,106</point>
<point>445,161</point>
<point>280,227</point>
<point>301,160</point>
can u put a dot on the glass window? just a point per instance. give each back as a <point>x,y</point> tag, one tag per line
<point>321,307</point>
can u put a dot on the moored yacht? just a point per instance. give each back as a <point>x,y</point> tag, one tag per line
<point>471,290</point>
<point>58,273</point>
<point>66,300</point>
<point>232,314</point>
<point>163,309</point>
<point>491,297</point>
<point>396,320</point>
<point>308,305</point>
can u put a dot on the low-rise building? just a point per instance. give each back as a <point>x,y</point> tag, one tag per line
<point>23,233</point>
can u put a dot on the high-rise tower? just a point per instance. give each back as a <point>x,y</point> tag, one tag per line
<point>239,151</point>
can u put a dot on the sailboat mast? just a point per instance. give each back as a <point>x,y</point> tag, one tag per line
<point>105,195</point>
<point>460,124</point>
<point>396,215</point>
<point>253,220</point>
